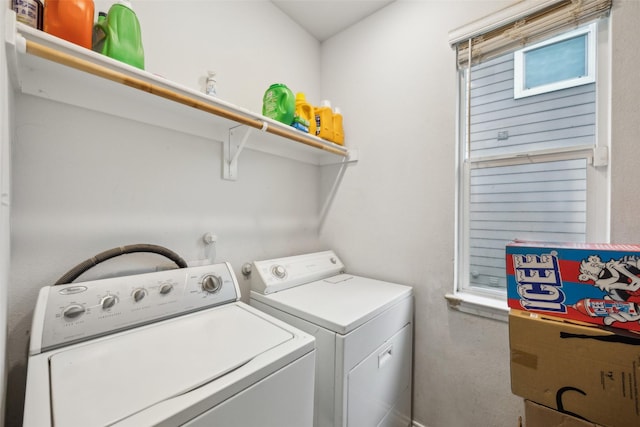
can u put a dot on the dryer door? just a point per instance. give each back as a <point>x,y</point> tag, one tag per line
<point>379,384</point>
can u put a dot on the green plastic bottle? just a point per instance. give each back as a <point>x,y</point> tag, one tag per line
<point>123,38</point>
<point>279,103</point>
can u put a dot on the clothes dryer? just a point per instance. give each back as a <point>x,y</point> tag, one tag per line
<point>363,330</point>
<point>165,349</point>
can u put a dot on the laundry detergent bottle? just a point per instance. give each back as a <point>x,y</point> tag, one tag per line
<point>304,115</point>
<point>338,131</point>
<point>123,37</point>
<point>324,121</point>
<point>71,20</point>
<point>278,103</point>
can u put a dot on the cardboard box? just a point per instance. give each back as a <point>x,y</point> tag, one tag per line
<point>581,370</point>
<point>537,415</point>
<point>595,283</point>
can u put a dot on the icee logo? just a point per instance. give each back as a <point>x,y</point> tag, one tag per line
<point>539,282</point>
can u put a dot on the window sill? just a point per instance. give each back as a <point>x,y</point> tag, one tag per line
<point>479,306</point>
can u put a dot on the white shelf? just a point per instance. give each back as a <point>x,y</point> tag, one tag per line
<point>51,68</point>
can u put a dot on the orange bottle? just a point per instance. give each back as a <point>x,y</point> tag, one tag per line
<point>71,20</point>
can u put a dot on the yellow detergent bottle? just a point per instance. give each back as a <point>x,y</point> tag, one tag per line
<point>338,131</point>
<point>305,119</point>
<point>324,121</point>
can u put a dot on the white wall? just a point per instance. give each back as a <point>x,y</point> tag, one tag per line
<point>625,146</point>
<point>5,129</point>
<point>394,77</point>
<point>85,182</point>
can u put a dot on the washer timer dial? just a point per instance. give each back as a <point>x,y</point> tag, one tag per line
<point>211,283</point>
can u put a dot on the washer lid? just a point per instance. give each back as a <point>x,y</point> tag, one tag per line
<point>340,303</point>
<point>102,382</point>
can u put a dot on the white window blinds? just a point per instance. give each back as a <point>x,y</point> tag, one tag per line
<point>520,24</point>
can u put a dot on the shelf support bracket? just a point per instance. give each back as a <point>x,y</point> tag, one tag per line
<point>14,43</point>
<point>232,148</point>
<point>332,190</point>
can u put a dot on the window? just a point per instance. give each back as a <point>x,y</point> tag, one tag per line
<point>532,162</point>
<point>561,62</point>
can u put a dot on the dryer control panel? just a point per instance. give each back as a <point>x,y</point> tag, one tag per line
<point>75,312</point>
<point>283,273</point>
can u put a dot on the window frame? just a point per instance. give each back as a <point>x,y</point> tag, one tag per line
<point>492,303</point>
<point>519,89</point>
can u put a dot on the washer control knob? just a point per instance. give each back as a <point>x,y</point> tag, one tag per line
<point>73,311</point>
<point>211,284</point>
<point>108,301</point>
<point>166,288</point>
<point>279,271</point>
<point>139,294</point>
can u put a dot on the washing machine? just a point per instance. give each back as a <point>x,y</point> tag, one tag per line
<point>167,348</point>
<point>363,330</point>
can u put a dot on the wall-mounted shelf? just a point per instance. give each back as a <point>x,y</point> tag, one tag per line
<point>54,69</point>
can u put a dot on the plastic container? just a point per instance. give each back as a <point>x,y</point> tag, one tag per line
<point>324,121</point>
<point>30,12</point>
<point>279,103</point>
<point>305,114</point>
<point>338,131</point>
<point>123,38</point>
<point>210,86</point>
<point>71,20</point>
<point>99,36</point>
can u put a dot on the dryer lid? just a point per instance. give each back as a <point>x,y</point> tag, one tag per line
<point>340,303</point>
<point>102,382</point>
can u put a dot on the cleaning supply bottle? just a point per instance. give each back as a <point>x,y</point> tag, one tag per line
<point>99,36</point>
<point>29,12</point>
<point>210,86</point>
<point>304,114</point>
<point>279,103</point>
<point>71,20</point>
<point>123,36</point>
<point>338,131</point>
<point>324,121</point>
